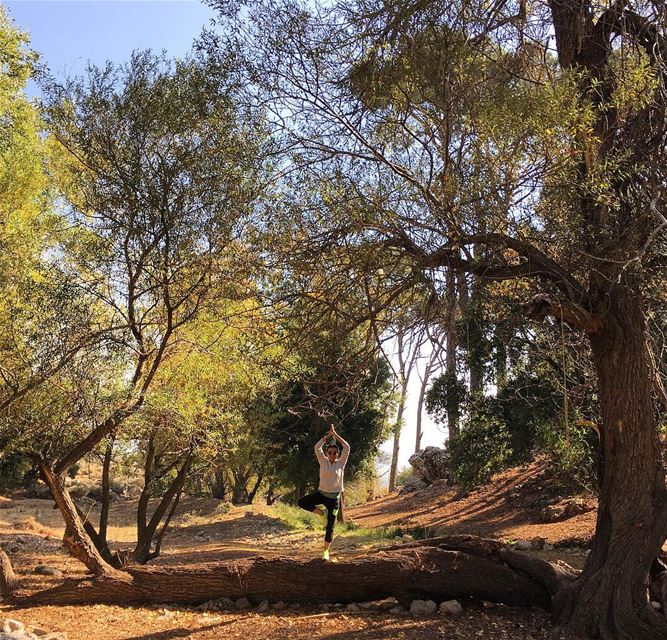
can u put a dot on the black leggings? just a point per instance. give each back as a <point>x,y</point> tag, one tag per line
<point>310,501</point>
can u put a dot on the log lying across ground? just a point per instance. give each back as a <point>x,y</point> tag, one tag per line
<point>438,569</point>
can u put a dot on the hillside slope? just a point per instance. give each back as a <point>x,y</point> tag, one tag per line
<point>513,506</point>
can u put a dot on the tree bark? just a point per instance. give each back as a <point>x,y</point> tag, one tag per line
<point>106,487</point>
<point>610,598</point>
<point>219,486</point>
<point>340,517</point>
<point>447,568</point>
<point>393,470</point>
<point>253,492</point>
<point>8,580</point>
<point>146,530</point>
<point>78,543</point>
<point>240,487</point>
<point>451,337</point>
<point>422,394</point>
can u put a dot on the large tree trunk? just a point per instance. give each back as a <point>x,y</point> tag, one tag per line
<point>610,598</point>
<point>440,569</point>
<point>8,581</point>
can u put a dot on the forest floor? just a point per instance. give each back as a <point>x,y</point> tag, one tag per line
<point>508,509</point>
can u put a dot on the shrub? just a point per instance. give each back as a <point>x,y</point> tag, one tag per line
<point>404,475</point>
<point>480,450</point>
<point>13,471</point>
<point>573,455</point>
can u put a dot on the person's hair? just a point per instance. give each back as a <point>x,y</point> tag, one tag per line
<point>332,446</point>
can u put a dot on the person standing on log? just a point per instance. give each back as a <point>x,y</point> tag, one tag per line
<point>332,468</point>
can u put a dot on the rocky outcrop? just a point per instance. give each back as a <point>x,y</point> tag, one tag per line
<point>429,465</point>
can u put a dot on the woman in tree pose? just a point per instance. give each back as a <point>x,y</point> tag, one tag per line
<point>332,467</point>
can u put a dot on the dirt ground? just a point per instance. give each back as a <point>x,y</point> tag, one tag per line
<point>31,530</point>
<point>508,508</point>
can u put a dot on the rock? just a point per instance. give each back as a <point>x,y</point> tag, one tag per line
<point>366,605</point>
<point>408,538</point>
<point>451,608</point>
<point>412,484</point>
<point>326,606</point>
<point>563,511</point>
<point>242,604</point>
<point>537,543</point>
<point>263,606</point>
<point>226,603</point>
<point>38,631</point>
<point>430,464</point>
<point>353,608</point>
<point>397,611</point>
<point>44,570</point>
<point>575,507</point>
<point>551,514</point>
<point>12,626</point>
<point>278,606</point>
<point>423,607</point>
<point>522,545</point>
<point>385,604</point>
<point>548,547</point>
<point>656,605</point>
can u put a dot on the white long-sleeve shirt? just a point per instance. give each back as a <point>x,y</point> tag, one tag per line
<point>331,474</point>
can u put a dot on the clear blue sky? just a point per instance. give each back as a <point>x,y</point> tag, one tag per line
<point>68,34</point>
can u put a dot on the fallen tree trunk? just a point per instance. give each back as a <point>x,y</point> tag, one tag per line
<point>457,567</point>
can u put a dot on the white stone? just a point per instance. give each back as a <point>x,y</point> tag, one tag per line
<point>451,608</point>
<point>423,607</point>
<point>656,605</point>
<point>13,626</point>
<point>523,545</point>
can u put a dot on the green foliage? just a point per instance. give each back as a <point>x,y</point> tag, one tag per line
<point>480,450</point>
<point>403,475</point>
<point>297,426</point>
<point>445,396</point>
<point>13,470</point>
<point>499,431</point>
<point>573,453</point>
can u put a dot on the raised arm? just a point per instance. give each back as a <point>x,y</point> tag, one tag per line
<point>319,454</point>
<point>345,454</point>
